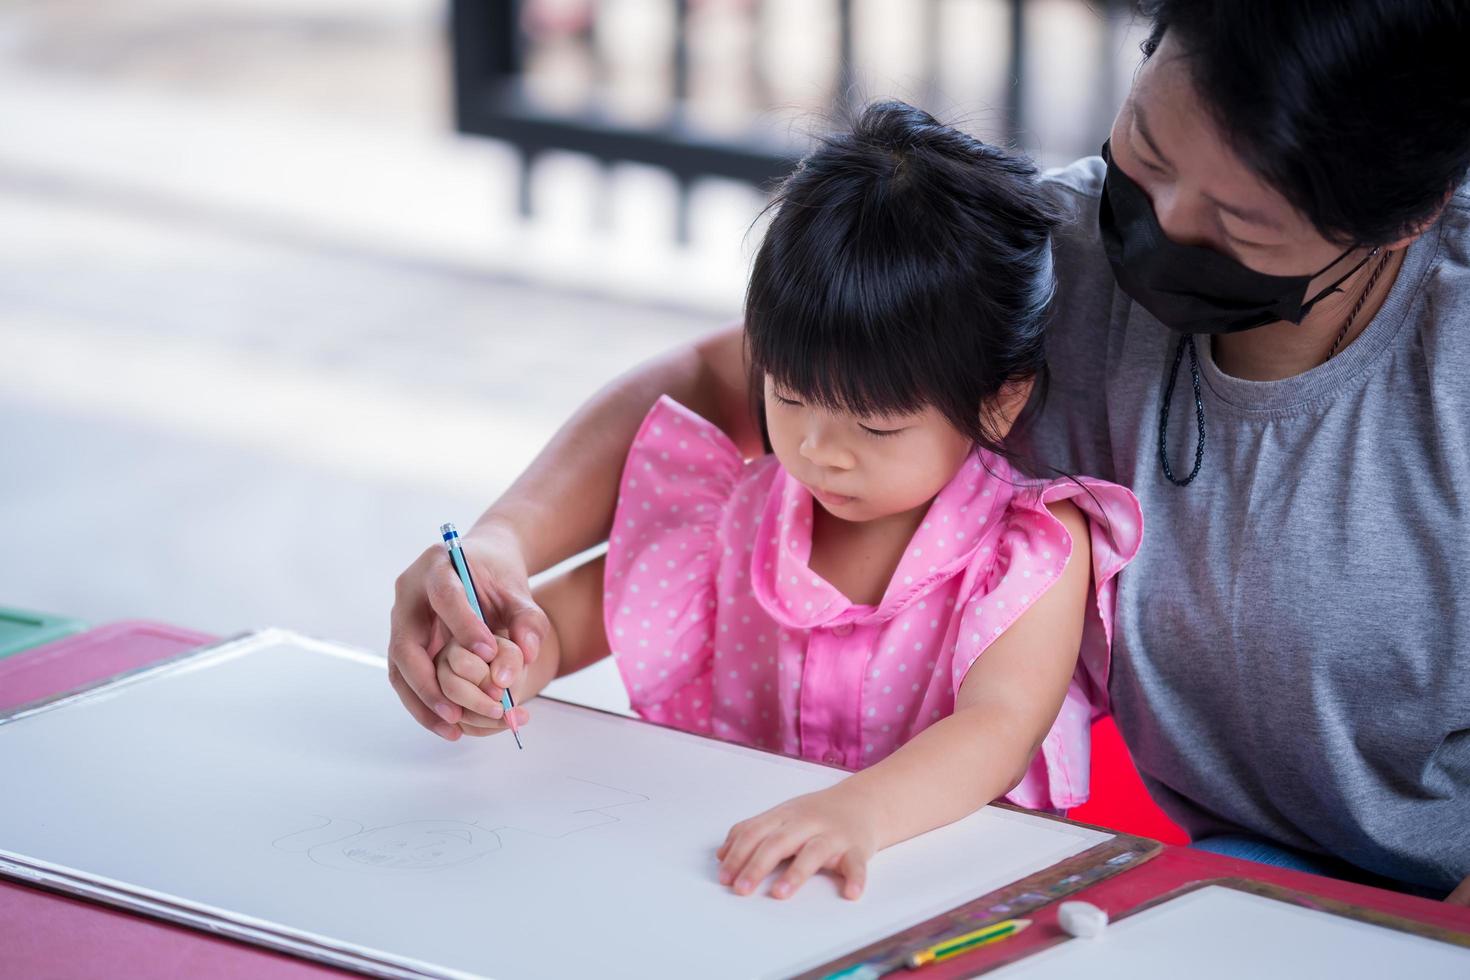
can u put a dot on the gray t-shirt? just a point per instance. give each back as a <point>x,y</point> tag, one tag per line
<point>1292,652</point>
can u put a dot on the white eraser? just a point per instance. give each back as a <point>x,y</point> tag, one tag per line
<point>1082,919</point>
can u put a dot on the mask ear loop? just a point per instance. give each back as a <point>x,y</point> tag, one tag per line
<point>1307,307</point>
<point>1199,413</point>
<point>1187,342</point>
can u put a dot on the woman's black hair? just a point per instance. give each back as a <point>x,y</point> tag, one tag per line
<point>906,265</point>
<point>1356,111</point>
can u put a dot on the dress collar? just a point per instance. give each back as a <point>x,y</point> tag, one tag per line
<point>961,519</point>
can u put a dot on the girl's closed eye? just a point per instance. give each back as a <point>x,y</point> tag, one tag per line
<point>880,433</point>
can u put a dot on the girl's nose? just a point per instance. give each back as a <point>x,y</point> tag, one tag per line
<point>825,452</point>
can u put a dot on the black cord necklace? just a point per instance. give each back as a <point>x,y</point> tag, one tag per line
<point>1187,341</point>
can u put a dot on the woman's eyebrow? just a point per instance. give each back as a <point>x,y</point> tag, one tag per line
<point>1147,134</point>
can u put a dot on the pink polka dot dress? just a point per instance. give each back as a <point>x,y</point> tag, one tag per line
<point>719,626</point>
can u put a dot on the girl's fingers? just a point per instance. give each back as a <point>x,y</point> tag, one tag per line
<point>738,846</point>
<point>489,726</point>
<point>735,831</point>
<point>771,852</point>
<point>521,716</point>
<point>813,857</point>
<point>482,721</point>
<point>466,664</point>
<point>508,663</point>
<point>809,859</point>
<point>854,871</point>
<point>467,695</point>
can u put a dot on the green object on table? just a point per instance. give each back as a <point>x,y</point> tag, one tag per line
<point>21,629</point>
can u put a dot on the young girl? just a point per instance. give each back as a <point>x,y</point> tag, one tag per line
<point>884,591</point>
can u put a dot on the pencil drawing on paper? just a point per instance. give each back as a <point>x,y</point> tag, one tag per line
<point>564,808</point>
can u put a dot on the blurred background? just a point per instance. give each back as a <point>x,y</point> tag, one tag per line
<point>285,284</point>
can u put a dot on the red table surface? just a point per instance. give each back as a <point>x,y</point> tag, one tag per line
<point>85,658</point>
<point>45,935</point>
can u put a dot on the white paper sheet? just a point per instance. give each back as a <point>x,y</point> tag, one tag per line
<point>277,783</point>
<point>1222,934</point>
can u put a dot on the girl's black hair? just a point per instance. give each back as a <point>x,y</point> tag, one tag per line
<point>1356,111</point>
<point>906,265</point>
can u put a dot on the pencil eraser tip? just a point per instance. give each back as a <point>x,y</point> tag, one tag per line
<point>1082,919</point>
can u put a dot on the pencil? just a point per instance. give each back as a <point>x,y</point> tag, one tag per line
<point>456,556</point>
<point>955,945</point>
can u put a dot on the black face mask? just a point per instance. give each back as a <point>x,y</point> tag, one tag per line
<point>1186,287</point>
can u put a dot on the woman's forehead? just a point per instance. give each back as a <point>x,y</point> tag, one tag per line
<point>1175,124</point>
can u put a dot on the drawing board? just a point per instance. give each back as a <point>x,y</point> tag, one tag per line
<point>272,788</point>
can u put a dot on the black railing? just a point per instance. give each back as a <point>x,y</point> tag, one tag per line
<point>495,97</point>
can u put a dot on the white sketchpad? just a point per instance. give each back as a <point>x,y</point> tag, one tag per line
<point>274,789</point>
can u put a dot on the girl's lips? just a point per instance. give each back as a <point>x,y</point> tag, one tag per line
<point>831,499</point>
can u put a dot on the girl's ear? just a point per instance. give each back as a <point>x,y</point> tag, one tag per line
<point>1002,412</point>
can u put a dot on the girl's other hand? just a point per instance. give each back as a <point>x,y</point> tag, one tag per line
<point>476,685</point>
<point>826,831</point>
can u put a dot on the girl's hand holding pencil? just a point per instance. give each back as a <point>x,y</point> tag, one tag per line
<point>476,685</point>
<point>431,608</point>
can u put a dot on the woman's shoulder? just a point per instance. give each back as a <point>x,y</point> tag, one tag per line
<point>1077,182</point>
<point>1437,301</point>
<point>1448,281</point>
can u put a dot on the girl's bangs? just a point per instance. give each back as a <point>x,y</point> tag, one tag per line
<point>847,370</point>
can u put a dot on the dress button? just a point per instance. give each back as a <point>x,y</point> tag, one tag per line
<point>842,630</point>
<point>832,758</point>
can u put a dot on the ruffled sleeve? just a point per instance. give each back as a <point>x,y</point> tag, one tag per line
<point>1030,553</point>
<point>663,560</point>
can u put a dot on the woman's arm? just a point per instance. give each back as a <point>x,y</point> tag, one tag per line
<point>1005,706</point>
<point>561,505</point>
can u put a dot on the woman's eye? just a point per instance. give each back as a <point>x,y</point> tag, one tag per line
<point>1157,168</point>
<point>1244,242</point>
<point>881,433</point>
<point>786,401</point>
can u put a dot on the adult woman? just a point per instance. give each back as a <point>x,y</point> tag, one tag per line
<point>1279,219</point>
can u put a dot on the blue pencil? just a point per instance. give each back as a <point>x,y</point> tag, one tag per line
<point>456,555</point>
